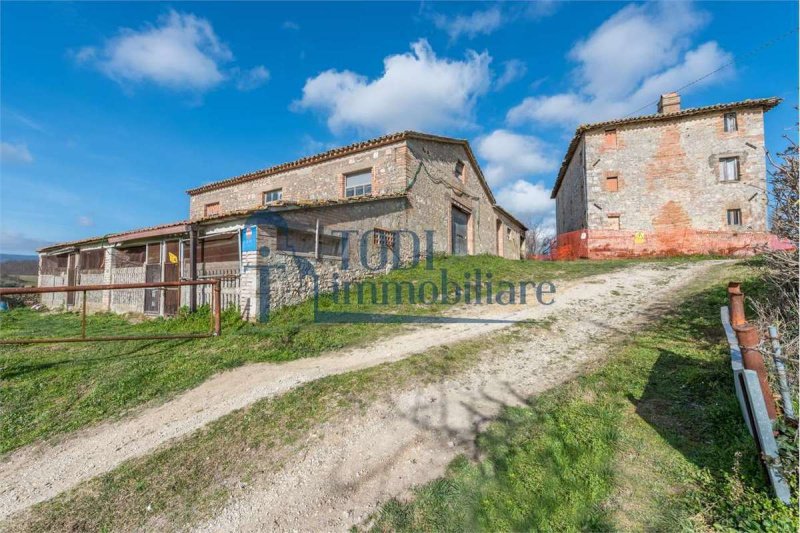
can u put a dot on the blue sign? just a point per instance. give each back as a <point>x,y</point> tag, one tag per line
<point>249,234</point>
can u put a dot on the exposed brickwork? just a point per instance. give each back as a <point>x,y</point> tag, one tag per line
<point>323,180</point>
<point>417,180</point>
<point>669,179</point>
<point>607,244</point>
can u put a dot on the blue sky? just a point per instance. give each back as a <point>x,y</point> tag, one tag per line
<point>109,112</point>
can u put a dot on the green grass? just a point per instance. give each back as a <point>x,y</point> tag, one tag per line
<point>181,484</point>
<point>50,389</point>
<point>654,440</point>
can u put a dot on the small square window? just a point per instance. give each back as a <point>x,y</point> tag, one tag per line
<point>359,184</point>
<point>612,183</point>
<point>613,222</point>
<point>729,168</point>
<point>273,196</point>
<point>610,138</point>
<point>212,209</point>
<point>460,172</point>
<point>382,237</point>
<point>729,122</point>
<point>734,217</point>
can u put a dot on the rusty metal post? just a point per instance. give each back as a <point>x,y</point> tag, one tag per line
<point>736,303</point>
<point>217,305</point>
<point>215,329</point>
<point>83,316</point>
<point>747,336</point>
<point>783,383</point>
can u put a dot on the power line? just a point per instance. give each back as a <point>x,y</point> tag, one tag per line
<point>751,52</point>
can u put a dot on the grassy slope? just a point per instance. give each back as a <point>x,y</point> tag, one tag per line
<point>181,484</point>
<point>653,440</point>
<point>50,389</point>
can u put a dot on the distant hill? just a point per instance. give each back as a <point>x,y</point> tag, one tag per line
<point>17,257</point>
<point>18,265</point>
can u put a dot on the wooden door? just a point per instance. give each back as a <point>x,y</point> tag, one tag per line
<point>172,297</point>
<point>152,274</point>
<point>152,297</point>
<point>460,221</point>
<point>72,277</point>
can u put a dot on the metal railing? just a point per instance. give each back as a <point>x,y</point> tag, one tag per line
<point>214,331</point>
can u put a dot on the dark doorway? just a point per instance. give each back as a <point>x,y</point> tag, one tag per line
<point>172,297</point>
<point>460,222</point>
<point>72,277</point>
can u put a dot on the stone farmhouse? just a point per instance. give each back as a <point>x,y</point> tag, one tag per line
<point>680,181</point>
<point>340,215</point>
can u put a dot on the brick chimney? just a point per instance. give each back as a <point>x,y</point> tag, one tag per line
<point>669,103</point>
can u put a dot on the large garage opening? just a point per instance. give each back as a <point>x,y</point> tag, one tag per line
<point>459,231</point>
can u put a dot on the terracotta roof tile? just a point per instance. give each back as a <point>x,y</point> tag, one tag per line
<point>324,156</point>
<point>765,103</point>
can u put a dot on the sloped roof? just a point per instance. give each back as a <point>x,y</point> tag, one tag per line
<point>182,226</point>
<point>288,205</point>
<point>342,151</point>
<point>118,237</point>
<point>765,103</point>
<point>512,218</point>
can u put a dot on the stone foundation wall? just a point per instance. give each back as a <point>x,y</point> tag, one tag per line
<point>608,244</point>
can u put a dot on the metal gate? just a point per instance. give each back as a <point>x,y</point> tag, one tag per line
<point>152,297</point>
<point>172,296</point>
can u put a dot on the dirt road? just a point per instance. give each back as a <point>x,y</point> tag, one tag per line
<point>358,465</point>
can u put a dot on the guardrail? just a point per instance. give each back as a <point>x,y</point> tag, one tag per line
<point>215,328</point>
<point>752,388</point>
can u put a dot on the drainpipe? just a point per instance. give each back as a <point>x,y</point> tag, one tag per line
<point>193,266</point>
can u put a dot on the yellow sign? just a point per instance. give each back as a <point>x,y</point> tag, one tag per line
<point>172,258</point>
<point>638,238</point>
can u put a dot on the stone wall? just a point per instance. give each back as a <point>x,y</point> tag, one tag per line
<point>436,189</point>
<point>668,175</point>
<point>53,300</point>
<point>320,181</point>
<point>571,198</point>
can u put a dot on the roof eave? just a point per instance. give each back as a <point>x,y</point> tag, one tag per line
<point>765,103</point>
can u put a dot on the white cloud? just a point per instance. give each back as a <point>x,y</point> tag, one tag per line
<point>487,21</point>
<point>290,25</point>
<point>513,70</point>
<point>417,90</point>
<point>511,156</point>
<point>14,242</point>
<point>15,153</point>
<point>252,79</point>
<point>639,53</point>
<point>85,221</point>
<point>527,200</point>
<point>472,25</point>
<point>180,52</point>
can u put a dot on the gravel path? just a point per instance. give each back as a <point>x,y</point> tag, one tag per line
<point>350,468</point>
<point>352,461</point>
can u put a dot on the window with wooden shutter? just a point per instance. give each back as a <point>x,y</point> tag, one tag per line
<point>729,168</point>
<point>610,138</point>
<point>729,121</point>
<point>734,217</point>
